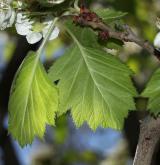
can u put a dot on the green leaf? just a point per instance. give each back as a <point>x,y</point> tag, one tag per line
<point>33,101</point>
<point>96,86</point>
<point>109,15</point>
<point>152,92</point>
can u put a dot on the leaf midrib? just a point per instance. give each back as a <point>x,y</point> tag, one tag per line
<point>85,60</point>
<point>29,88</point>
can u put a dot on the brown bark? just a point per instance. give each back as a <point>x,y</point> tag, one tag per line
<point>148,141</point>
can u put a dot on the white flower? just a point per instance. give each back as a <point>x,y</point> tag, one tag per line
<point>50,2</point>
<point>157,37</point>
<point>157,41</point>
<point>7,15</point>
<point>24,26</point>
<point>33,37</point>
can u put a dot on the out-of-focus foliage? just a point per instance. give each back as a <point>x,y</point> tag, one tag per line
<point>52,47</point>
<point>61,130</point>
<point>8,50</point>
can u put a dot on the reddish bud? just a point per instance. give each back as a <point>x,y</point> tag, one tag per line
<point>103,35</point>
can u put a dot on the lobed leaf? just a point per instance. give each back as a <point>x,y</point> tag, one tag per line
<point>96,86</point>
<point>33,101</point>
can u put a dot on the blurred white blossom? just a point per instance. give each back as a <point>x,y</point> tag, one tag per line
<point>157,41</point>
<point>51,2</point>
<point>25,27</point>
<point>7,15</point>
<point>157,37</point>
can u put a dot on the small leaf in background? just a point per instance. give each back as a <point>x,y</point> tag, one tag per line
<point>152,92</point>
<point>95,85</point>
<point>109,15</point>
<point>33,101</point>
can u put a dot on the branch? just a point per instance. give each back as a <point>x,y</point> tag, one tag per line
<point>90,19</point>
<point>148,139</point>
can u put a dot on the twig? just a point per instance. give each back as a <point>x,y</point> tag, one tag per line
<point>148,141</point>
<point>90,19</point>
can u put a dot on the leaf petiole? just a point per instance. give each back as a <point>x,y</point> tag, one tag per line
<point>45,40</point>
